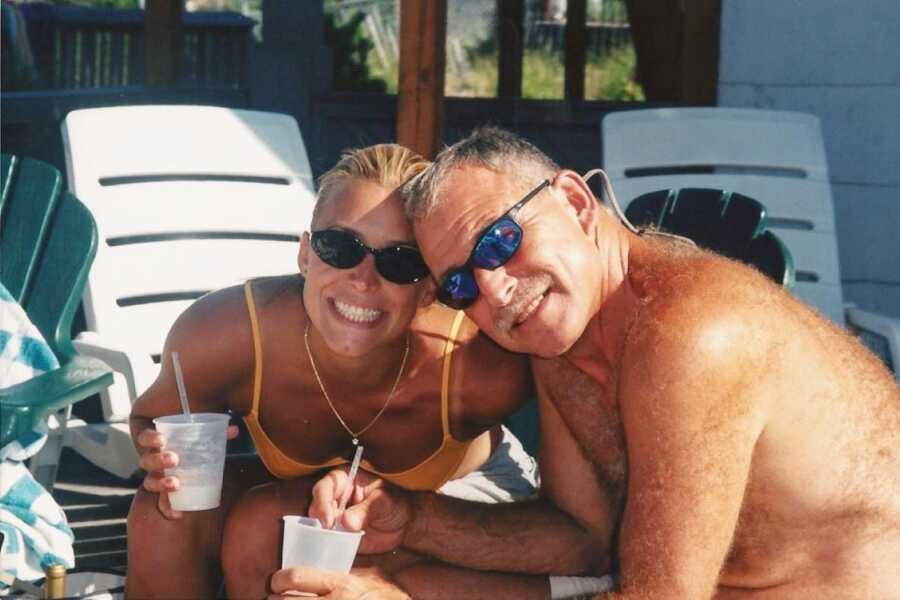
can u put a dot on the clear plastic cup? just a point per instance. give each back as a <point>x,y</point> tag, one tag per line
<point>199,441</point>
<point>307,543</point>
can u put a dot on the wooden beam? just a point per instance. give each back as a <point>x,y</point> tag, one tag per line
<point>511,39</point>
<point>420,97</point>
<point>656,30</point>
<point>576,48</point>
<point>162,42</point>
<point>700,52</point>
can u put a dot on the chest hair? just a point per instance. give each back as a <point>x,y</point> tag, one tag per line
<point>591,413</point>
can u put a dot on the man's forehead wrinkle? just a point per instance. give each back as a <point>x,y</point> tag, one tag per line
<point>449,232</point>
<point>455,233</point>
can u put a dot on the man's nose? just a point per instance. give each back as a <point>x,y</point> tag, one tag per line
<point>495,286</point>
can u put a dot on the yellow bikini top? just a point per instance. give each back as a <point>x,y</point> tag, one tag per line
<point>430,474</point>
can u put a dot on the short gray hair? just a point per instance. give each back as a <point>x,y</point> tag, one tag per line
<point>490,148</point>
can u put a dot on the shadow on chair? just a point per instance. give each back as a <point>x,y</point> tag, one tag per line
<point>727,223</point>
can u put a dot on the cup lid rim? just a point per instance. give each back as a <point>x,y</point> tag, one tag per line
<point>297,518</point>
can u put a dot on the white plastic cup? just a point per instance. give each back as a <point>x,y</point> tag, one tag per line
<point>199,442</point>
<point>307,543</point>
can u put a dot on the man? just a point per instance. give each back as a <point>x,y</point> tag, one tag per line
<point>738,444</point>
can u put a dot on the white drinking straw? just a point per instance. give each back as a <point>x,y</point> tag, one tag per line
<point>354,467</point>
<point>182,393</point>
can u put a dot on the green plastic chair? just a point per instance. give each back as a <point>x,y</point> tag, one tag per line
<point>728,223</point>
<point>47,243</point>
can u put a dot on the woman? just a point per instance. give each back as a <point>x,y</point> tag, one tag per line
<point>350,352</point>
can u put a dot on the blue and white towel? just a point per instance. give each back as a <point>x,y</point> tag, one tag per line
<point>34,527</point>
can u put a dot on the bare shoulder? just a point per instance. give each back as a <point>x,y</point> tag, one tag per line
<point>208,336</point>
<point>215,319</point>
<point>216,329</point>
<point>706,300</point>
<point>703,322</point>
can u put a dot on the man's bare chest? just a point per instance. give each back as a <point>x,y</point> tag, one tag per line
<point>590,411</point>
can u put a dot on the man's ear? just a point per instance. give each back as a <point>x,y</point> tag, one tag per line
<point>429,292</point>
<point>303,255</point>
<point>581,200</point>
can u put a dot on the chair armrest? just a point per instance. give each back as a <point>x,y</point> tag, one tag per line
<point>137,367</point>
<point>25,404</point>
<point>881,325</point>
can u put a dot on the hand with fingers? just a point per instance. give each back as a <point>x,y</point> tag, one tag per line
<point>364,584</point>
<point>380,509</point>
<point>154,458</point>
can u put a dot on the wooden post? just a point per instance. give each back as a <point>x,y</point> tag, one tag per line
<point>656,30</point>
<point>576,48</point>
<point>677,46</point>
<point>162,42</point>
<point>511,39</point>
<point>420,97</point>
<point>700,52</point>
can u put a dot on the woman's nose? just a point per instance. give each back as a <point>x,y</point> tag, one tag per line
<point>365,275</point>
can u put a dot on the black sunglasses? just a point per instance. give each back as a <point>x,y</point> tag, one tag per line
<point>493,248</point>
<point>343,250</point>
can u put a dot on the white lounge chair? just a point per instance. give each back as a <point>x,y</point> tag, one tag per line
<point>187,199</point>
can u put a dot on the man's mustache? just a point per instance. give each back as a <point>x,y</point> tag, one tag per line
<point>526,291</point>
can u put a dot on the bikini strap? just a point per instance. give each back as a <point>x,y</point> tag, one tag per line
<point>257,349</point>
<point>449,346</point>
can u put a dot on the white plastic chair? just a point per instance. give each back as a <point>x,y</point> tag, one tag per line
<point>775,157</point>
<point>187,199</point>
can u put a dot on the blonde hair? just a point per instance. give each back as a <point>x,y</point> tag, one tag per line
<point>388,165</point>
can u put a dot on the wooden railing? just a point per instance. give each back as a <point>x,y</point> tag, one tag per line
<point>78,47</point>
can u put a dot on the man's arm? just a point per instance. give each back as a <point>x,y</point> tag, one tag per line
<point>691,420</point>
<point>569,481</point>
<point>525,537</point>
<point>568,531</point>
<point>329,584</point>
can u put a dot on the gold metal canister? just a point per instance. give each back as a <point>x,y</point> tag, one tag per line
<point>55,585</point>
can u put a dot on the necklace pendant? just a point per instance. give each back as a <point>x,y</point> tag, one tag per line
<point>355,441</point>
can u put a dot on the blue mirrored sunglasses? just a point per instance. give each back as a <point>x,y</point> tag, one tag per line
<point>496,245</point>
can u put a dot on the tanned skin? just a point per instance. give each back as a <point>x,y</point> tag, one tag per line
<point>172,553</point>
<point>739,444</point>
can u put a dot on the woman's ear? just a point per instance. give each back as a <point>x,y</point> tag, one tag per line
<point>581,200</point>
<point>303,255</point>
<point>428,293</point>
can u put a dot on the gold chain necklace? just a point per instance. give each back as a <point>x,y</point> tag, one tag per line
<point>354,435</point>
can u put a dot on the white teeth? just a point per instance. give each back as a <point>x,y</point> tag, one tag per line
<point>356,314</point>
<point>530,309</point>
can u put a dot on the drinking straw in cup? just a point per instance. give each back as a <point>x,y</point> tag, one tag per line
<point>199,441</point>
<point>179,382</point>
<point>354,467</point>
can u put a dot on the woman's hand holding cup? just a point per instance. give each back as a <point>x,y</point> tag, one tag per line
<point>154,458</point>
<point>380,509</point>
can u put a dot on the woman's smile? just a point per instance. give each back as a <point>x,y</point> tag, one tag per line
<point>356,314</point>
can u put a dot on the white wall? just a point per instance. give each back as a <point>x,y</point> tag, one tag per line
<point>839,60</point>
